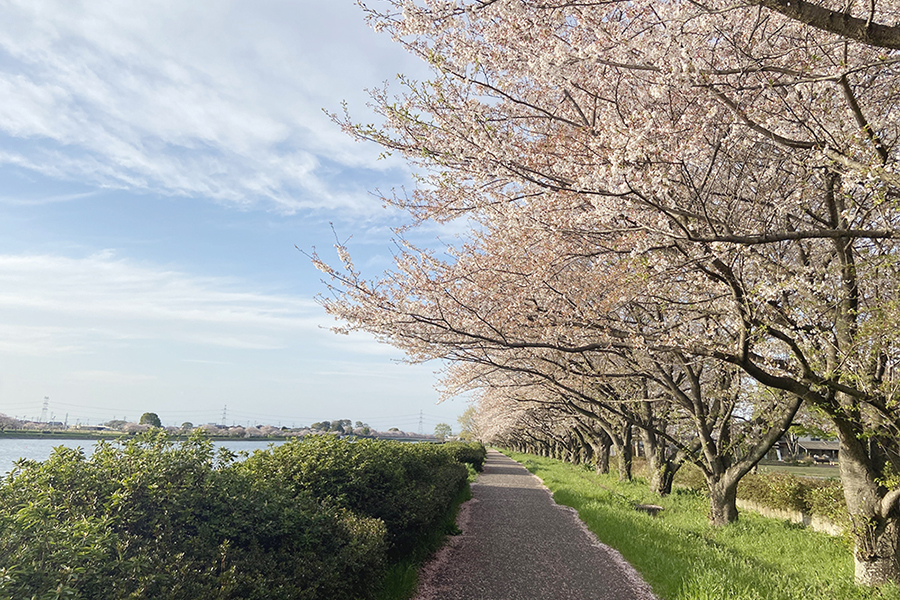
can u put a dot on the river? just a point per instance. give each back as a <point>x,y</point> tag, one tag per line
<point>39,449</point>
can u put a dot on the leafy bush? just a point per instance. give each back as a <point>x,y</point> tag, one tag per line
<point>310,520</point>
<point>822,497</point>
<point>472,453</point>
<point>827,500</point>
<point>775,490</point>
<point>154,519</point>
<point>691,477</point>
<point>407,486</point>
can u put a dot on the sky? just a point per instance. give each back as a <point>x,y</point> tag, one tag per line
<point>160,161</point>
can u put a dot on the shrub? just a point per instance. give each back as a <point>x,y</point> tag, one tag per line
<point>472,453</point>
<point>775,490</point>
<point>822,497</point>
<point>409,487</point>
<point>154,519</point>
<point>311,520</point>
<point>827,500</point>
<point>691,477</point>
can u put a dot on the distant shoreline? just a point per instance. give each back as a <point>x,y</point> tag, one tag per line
<point>49,434</point>
<point>113,436</point>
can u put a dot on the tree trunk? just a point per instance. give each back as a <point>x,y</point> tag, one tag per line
<point>876,532</point>
<point>624,454</point>
<point>662,470</point>
<point>662,475</point>
<point>584,454</point>
<point>601,457</point>
<point>722,502</point>
<point>624,463</point>
<point>875,552</point>
<point>585,451</point>
<point>600,444</point>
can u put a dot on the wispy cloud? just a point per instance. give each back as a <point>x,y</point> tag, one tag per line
<point>54,304</point>
<point>211,99</point>
<point>44,199</point>
<point>207,362</point>
<point>39,340</point>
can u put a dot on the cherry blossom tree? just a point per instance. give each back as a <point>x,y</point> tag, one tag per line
<point>740,158</point>
<point>7,422</point>
<point>526,315</point>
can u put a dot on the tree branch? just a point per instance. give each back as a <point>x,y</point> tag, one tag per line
<point>861,119</point>
<point>839,23</point>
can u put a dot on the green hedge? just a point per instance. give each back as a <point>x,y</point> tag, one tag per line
<point>472,453</point>
<point>407,486</point>
<point>158,519</point>
<point>822,497</point>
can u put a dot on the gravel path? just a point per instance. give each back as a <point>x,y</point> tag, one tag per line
<point>517,544</point>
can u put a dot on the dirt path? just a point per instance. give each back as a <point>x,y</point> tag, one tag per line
<point>517,544</point>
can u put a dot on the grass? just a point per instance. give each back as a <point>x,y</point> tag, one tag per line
<point>683,558</point>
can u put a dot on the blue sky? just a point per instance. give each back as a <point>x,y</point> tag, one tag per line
<point>160,160</point>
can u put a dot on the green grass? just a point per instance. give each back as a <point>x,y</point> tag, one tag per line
<point>683,558</point>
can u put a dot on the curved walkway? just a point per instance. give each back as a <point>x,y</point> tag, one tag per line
<point>517,544</point>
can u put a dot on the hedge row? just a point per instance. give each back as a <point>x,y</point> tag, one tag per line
<point>311,519</point>
<point>407,486</point>
<point>821,497</point>
<point>472,453</point>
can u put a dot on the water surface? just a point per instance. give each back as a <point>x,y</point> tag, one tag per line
<point>12,449</point>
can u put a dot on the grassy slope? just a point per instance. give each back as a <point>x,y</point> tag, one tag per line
<point>684,559</point>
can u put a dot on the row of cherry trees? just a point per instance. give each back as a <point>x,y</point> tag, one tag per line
<point>683,222</point>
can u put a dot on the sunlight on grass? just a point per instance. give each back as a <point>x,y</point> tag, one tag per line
<point>683,558</point>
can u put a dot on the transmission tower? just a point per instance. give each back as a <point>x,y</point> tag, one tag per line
<point>45,409</point>
<point>225,416</point>
<point>421,424</point>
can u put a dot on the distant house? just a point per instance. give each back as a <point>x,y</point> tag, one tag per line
<point>800,448</point>
<point>819,450</point>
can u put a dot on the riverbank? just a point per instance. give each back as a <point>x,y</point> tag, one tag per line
<point>51,434</point>
<point>39,448</point>
<point>22,434</point>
